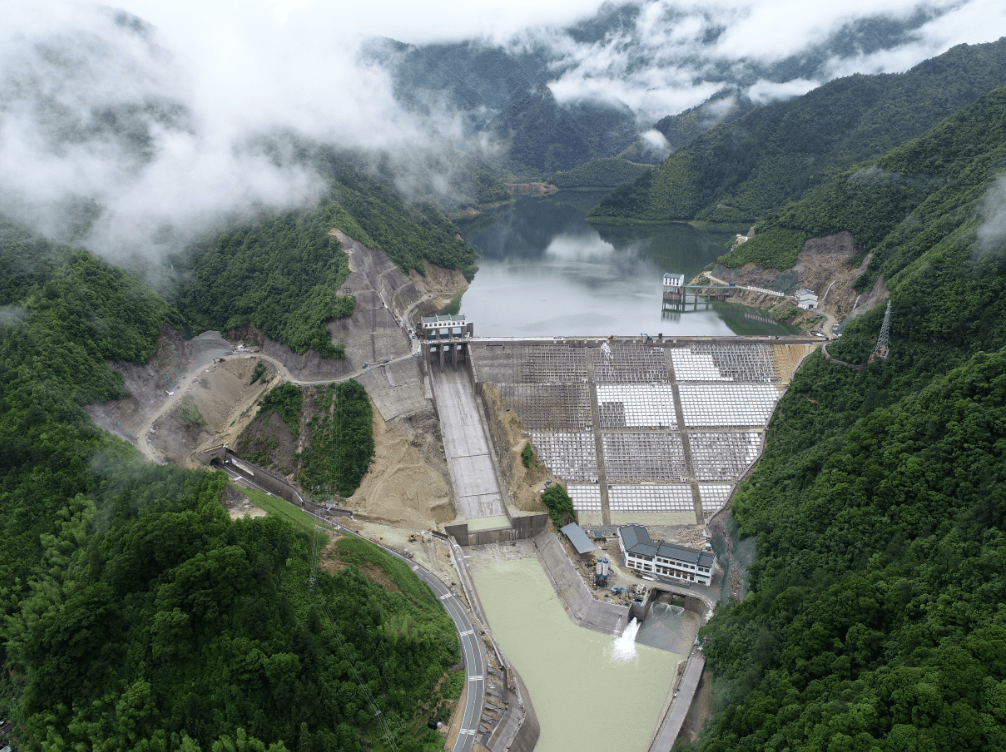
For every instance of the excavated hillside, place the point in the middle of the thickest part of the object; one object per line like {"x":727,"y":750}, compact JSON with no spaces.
{"x":823,"y":265}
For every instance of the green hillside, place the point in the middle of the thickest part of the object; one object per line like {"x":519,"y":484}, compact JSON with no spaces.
{"x":777,"y":153}
{"x":281,"y":273}
{"x":723,"y":107}
{"x":876,"y":618}
{"x":135,"y":614}
{"x":598,"y":173}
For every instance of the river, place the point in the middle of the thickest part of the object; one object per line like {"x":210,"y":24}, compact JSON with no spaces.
{"x":591,"y":692}
{"x":544,"y":270}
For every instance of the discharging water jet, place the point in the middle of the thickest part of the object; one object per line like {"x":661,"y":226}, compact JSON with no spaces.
{"x":624,"y":647}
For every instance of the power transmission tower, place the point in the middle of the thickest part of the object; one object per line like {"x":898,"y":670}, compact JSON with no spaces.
{"x":883,"y":342}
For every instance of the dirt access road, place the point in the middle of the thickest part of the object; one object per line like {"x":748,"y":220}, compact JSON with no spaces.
{"x":194,"y":370}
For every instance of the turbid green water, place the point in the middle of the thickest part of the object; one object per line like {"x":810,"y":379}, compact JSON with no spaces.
{"x":475,"y":524}
{"x":545,"y":271}
{"x":586,"y":697}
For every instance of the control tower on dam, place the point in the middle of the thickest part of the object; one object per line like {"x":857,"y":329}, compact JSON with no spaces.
{"x":643,"y":430}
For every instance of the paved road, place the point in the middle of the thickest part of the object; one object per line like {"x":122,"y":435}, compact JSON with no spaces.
{"x":471,"y":645}
{"x":475,"y":660}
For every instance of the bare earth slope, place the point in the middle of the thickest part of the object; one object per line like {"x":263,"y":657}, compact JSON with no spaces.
{"x":822,"y":266}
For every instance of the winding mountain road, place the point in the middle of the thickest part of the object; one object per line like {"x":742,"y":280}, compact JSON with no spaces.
{"x":471,"y":646}
{"x":175,"y":396}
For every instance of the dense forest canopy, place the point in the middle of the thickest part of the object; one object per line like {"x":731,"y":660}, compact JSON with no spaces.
{"x":282,"y":272}
{"x":876,"y":614}
{"x":741,"y":170}
{"x":135,"y":613}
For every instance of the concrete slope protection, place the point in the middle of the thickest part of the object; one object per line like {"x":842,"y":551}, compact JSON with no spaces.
{"x":670,"y":725}
{"x":583,"y":608}
{"x":477,"y":490}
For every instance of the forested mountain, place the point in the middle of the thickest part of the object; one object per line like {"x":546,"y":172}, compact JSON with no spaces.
{"x":877,"y":612}
{"x":501,"y":88}
{"x":598,"y":173}
{"x":774,"y":154}
{"x":720,"y":109}
{"x":135,"y":614}
{"x":281,"y":272}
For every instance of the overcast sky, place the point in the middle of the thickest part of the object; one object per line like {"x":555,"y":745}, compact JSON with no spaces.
{"x":243,"y":67}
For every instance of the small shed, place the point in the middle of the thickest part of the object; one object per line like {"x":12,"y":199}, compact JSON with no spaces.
{"x":806,"y":299}
{"x":583,"y":545}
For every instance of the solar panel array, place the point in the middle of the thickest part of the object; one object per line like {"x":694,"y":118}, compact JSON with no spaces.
{"x":748,"y":362}
{"x":693,"y":366}
{"x":641,"y":405}
{"x":721,"y":386}
{"x":569,"y":456}
{"x":529,"y":364}
{"x":707,"y":361}
{"x":722,"y":455}
{"x":647,"y":498}
{"x":549,"y":407}
{"x":727,"y":404}
{"x":628,"y":363}
{"x":653,"y":455}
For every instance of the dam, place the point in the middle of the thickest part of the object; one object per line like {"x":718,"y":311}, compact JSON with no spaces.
{"x":650,"y":431}
{"x":642,"y":430}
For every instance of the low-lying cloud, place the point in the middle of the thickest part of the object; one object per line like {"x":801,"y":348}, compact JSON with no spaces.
{"x":663,"y":56}
{"x":153,"y":119}
{"x":154,"y":136}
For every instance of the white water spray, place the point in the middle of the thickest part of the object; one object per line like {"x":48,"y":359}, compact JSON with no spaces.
{"x":624,"y":647}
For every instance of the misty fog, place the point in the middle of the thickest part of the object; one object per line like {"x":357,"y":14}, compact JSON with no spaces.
{"x":133,"y":131}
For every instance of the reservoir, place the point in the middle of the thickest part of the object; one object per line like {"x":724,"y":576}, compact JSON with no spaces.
{"x":544,"y":270}
{"x":591,"y":692}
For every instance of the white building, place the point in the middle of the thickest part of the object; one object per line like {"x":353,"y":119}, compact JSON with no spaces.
{"x":805,"y":298}
{"x":658,"y":559}
{"x":445,"y":327}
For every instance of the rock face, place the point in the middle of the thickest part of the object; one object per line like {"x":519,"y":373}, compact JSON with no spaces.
{"x":822,"y":266}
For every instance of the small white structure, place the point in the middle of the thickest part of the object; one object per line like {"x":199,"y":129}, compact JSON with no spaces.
{"x":446,"y":327}
{"x":664,"y":559}
{"x":805,"y":298}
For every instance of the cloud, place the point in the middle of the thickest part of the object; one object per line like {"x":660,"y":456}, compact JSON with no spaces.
{"x":656,"y":141}
{"x":763,"y":92}
{"x":10,"y":314}
{"x":160,"y":121}
{"x":664,"y":56}
{"x":162,"y":125}
{"x":992,"y":232}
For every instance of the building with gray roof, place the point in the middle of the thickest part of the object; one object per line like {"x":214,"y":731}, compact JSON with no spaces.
{"x":446,"y":327}
{"x":659,"y":559}
{"x":578,"y":538}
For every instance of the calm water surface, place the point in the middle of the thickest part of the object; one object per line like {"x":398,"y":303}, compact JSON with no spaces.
{"x":545,"y":271}
{"x":587,"y":697}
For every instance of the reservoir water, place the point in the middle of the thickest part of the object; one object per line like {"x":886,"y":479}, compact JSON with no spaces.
{"x":545,"y":271}
{"x":591,"y":692}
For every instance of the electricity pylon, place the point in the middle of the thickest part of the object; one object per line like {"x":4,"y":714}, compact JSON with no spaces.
{"x":883,"y":342}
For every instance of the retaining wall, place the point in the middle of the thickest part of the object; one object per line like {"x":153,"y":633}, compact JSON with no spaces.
{"x":528,"y":526}
{"x":584,"y":610}
{"x":529,"y":731}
